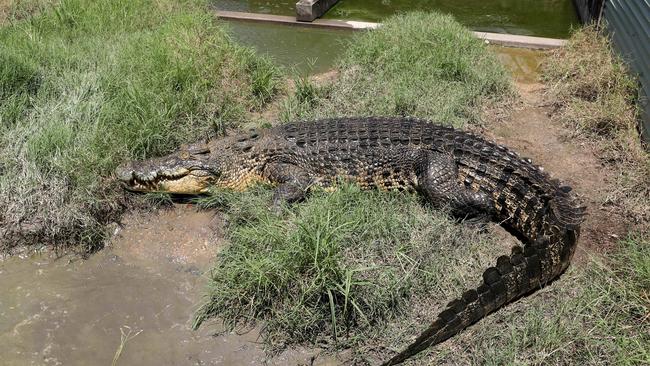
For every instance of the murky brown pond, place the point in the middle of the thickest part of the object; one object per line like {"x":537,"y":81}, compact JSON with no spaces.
{"x":149,"y":281}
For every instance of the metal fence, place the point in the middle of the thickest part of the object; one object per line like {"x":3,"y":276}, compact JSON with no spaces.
{"x":628,"y":23}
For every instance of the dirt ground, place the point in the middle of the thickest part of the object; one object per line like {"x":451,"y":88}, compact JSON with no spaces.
{"x":531,"y":131}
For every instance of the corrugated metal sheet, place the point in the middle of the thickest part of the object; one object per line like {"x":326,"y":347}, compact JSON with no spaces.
{"x":628,"y":22}
{"x":588,"y":10}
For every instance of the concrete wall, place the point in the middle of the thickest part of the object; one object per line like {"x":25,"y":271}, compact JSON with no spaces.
{"x":308,"y":10}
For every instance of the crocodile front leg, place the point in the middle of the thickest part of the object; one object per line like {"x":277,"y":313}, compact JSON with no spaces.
{"x":293,"y":183}
{"x":438,"y":182}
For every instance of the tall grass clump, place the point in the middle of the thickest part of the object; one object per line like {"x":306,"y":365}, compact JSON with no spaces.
{"x":334,"y":268}
{"x":591,"y":85}
{"x":417,"y":64}
{"x":595,"y":95}
{"x":85,"y":85}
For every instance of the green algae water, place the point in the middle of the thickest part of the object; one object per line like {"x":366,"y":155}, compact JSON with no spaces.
{"x":313,"y":51}
{"x":309,"y":51}
{"x":302,"y":50}
{"x":543,"y":18}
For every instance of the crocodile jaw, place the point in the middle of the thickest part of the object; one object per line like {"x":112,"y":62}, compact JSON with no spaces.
{"x":171,"y":176}
{"x":189,"y":170}
{"x":192,"y":182}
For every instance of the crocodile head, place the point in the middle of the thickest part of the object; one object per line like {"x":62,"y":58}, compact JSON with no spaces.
{"x":190,"y":170}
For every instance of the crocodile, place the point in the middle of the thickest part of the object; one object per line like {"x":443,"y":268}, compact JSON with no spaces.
{"x":472,"y":177}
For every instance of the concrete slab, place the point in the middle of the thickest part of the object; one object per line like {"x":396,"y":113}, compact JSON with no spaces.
{"x":508,"y":40}
{"x":288,"y":20}
{"x":513,"y":40}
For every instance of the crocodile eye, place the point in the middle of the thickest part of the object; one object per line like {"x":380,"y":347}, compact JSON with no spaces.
{"x":198,"y":149}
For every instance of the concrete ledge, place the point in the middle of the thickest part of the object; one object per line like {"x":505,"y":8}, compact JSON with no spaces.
{"x":512,"y":40}
{"x":509,"y":40}
{"x":308,"y":10}
{"x":288,"y":20}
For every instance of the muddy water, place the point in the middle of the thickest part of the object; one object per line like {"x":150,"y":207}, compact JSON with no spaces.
{"x":523,"y":64}
{"x":544,"y":18}
{"x":149,"y":281}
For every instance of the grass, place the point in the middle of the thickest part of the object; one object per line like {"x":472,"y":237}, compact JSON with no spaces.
{"x":333,"y":269}
{"x":595,"y":96}
{"x":125,"y":337}
{"x":417,"y":64}
{"x":13,"y":10}
{"x":85,"y":85}
{"x":367,"y":271}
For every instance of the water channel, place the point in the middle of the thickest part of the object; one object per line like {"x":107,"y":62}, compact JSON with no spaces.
{"x":304,"y":51}
{"x":543,"y":18}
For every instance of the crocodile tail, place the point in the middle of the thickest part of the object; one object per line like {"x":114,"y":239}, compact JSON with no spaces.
{"x":524,"y":271}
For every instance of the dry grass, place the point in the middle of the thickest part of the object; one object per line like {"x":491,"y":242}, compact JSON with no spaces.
{"x":590,"y":86}
{"x":595,"y":95}
{"x":16,"y":10}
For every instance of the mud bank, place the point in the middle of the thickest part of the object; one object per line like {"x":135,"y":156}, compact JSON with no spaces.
{"x":148,"y":281}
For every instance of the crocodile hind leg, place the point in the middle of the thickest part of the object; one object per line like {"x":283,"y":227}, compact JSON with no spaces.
{"x":293,"y":183}
{"x":438,"y":182}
